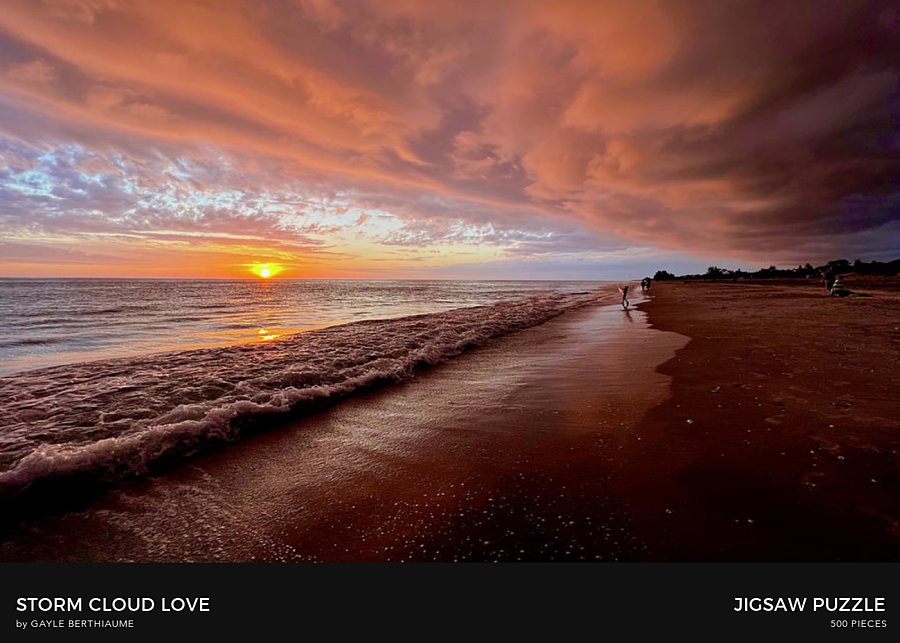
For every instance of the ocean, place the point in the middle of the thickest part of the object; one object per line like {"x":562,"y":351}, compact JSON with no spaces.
{"x":104,"y":377}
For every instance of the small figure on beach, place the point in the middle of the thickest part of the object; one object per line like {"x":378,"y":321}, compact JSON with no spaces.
{"x":624,"y":291}
{"x":645,"y":284}
{"x":827,"y":278}
{"x":838,"y":289}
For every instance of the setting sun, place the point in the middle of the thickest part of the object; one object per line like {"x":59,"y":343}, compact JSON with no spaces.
{"x":266,"y":270}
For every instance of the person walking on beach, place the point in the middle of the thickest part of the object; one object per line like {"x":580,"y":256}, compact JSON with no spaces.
{"x":828,"y":278}
{"x":624,"y":291}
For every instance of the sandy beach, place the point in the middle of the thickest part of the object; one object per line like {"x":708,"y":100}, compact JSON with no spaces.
{"x":713,"y":421}
{"x":780,"y":439}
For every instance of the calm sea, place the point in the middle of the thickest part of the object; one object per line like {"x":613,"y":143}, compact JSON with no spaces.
{"x":49,"y":322}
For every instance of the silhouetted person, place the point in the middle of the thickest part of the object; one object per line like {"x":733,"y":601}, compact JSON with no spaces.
{"x":828,"y":278}
{"x":624,"y":291}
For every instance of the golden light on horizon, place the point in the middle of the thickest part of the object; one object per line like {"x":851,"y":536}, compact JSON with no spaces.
{"x":266,"y":270}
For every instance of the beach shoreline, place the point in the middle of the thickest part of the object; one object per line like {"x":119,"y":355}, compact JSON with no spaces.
{"x":714,"y":421}
{"x":437,"y":468}
{"x":779,"y":440}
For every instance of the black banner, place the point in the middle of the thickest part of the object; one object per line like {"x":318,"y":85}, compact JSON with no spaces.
{"x":847,"y":602}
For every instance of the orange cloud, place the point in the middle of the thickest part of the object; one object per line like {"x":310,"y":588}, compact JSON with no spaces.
{"x":685,"y":125}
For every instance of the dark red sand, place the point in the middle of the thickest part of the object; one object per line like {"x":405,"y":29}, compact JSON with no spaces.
{"x":780,"y":438}
{"x":771,"y":435}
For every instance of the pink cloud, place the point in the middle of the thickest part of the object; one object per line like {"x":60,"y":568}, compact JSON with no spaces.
{"x":752,"y":129}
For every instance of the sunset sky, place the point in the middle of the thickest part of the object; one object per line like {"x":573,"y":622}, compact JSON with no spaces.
{"x":458,"y":139}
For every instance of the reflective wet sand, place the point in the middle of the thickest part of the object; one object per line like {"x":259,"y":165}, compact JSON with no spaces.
{"x":508,"y":452}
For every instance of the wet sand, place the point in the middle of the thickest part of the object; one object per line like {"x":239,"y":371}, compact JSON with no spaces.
{"x":504,"y":453}
{"x":781,"y":439}
{"x":740,"y":423}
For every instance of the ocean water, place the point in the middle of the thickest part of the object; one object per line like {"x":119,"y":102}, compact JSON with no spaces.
{"x":107,"y":377}
{"x":63,"y":321}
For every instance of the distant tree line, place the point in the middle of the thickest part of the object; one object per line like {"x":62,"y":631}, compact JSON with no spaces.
{"x":837,"y":267}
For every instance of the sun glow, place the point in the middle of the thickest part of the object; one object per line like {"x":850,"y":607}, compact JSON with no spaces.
{"x":265,"y":270}
{"x":266,"y":335}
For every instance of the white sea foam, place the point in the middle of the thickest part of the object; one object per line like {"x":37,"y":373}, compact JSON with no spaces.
{"x":117,"y":417}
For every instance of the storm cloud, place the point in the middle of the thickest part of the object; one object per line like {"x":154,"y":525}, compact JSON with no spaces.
{"x":765,"y":132}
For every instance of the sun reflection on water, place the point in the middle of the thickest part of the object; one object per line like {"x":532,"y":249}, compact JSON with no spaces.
{"x":266,"y":335}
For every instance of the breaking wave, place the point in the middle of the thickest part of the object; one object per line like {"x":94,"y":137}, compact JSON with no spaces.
{"x":114,"y":418}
